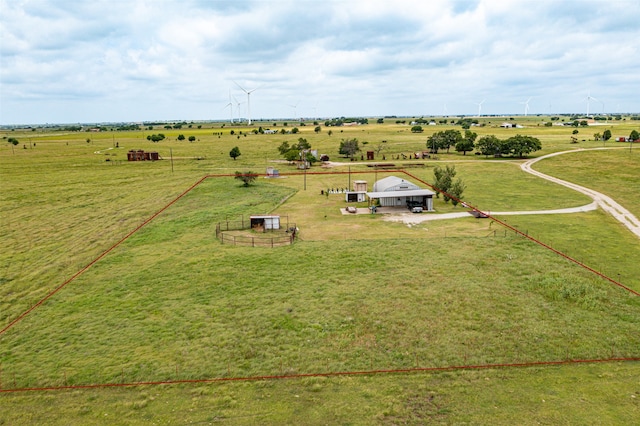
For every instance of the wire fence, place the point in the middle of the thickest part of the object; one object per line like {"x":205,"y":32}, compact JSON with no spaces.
{"x":10,"y":383}
{"x":283,"y":235}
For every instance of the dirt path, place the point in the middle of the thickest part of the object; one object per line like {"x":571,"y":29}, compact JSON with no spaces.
{"x":605,"y":202}
{"x":599,"y":200}
{"x":412,"y":219}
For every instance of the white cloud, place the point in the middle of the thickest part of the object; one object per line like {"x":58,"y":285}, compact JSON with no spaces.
{"x":167,"y":59}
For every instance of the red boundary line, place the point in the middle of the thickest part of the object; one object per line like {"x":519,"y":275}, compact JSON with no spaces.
{"x":558,"y":252}
{"x":81,"y":271}
{"x":90,"y":264}
{"x":328,"y":374}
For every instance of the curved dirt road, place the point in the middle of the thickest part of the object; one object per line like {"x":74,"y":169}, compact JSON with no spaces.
{"x":599,"y":200}
{"x":606,"y":203}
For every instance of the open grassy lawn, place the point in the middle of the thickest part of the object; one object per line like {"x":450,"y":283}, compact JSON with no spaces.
{"x":612,"y":172}
{"x":605,"y":394}
{"x":353,"y":293}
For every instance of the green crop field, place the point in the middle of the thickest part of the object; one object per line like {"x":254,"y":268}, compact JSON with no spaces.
{"x":354,"y":293}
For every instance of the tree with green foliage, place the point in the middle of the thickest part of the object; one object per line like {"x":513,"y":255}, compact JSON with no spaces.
{"x":293,"y":152}
{"x":467,"y":143}
{"x":465,"y":122}
{"x":520,"y":146}
{"x":303,"y":144}
{"x":456,"y":190}
{"x":13,"y":141}
{"x":417,"y":129}
{"x":192,"y":138}
{"x":247,"y":178}
{"x":380,"y":121}
{"x":489,"y":145}
{"x":443,"y":178}
{"x":156,"y":138}
{"x":291,"y":155}
{"x":451,"y":138}
{"x":180,"y":137}
{"x":309,"y":157}
{"x":284,"y":147}
{"x":317,"y":129}
{"x":435,"y":142}
{"x":234,"y":153}
{"x":349,"y":147}
{"x":444,"y":183}
{"x":464,"y":146}
{"x":444,"y":139}
{"x":634,"y":136}
{"x":606,"y":135}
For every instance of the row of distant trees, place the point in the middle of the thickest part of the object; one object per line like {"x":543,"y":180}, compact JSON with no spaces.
{"x":606,"y":135}
{"x":516,"y":146}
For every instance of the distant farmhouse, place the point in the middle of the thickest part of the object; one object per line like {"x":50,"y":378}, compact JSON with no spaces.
{"x":393,"y":191}
{"x":508,"y":125}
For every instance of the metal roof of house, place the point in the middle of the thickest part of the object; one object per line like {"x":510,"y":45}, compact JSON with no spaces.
{"x":407,"y":193}
{"x":391,"y":181}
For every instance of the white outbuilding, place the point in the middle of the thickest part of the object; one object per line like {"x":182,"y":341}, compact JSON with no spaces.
{"x":393,"y":191}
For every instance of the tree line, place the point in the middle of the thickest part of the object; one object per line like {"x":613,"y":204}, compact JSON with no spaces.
{"x":516,"y":146}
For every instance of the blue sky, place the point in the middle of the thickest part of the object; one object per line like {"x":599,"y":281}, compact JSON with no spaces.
{"x":68,"y":61}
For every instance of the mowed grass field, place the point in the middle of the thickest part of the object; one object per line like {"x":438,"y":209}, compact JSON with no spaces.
{"x":354,"y":293}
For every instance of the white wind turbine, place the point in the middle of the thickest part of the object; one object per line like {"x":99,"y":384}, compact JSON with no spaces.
{"x":295,"y":110}
{"x":248,"y":92}
{"x":480,"y":107}
{"x":589,"y":99}
{"x":526,"y":106}
{"x":230,"y":106}
{"x":237,"y":107}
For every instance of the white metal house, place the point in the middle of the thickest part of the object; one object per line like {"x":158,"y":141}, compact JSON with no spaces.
{"x":393,"y":191}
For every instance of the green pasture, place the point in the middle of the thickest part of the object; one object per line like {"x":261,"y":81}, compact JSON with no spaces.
{"x":354,"y":292}
{"x":615,"y":172}
{"x":569,"y":394}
